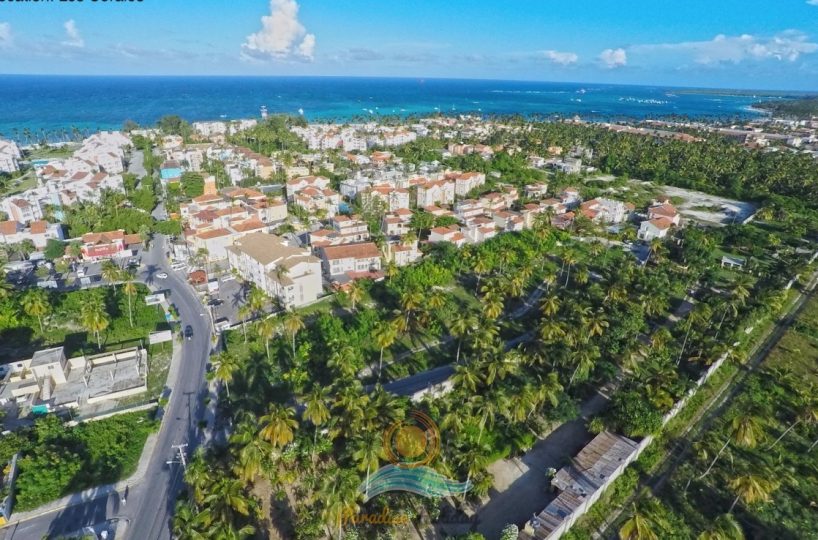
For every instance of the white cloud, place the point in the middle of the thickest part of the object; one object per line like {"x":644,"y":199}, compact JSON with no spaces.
{"x":282,"y":36}
{"x":787,"y":46}
{"x":307,"y":46}
{"x":561,"y":58}
{"x":5,"y":35}
{"x":812,"y":2}
{"x":613,"y":58}
{"x":73,"y":34}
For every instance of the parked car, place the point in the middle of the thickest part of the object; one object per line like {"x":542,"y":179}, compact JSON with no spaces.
{"x":188,"y":332}
{"x":162,"y":275}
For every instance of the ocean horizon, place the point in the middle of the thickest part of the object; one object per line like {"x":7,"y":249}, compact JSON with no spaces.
{"x":58,"y":103}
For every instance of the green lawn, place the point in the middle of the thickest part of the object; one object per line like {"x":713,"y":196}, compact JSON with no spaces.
{"x":18,"y":185}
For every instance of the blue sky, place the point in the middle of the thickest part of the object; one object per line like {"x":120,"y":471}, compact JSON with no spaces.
{"x":738,"y":44}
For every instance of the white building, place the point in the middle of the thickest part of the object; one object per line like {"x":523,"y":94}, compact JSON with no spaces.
{"x":341,"y":260}
{"x":288,"y":273}
{"x":435,"y":192}
{"x":39,"y":232}
{"x":651,"y":229}
{"x":10,"y":155}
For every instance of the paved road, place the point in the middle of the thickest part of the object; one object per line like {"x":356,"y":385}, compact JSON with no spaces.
{"x":150,"y":503}
{"x":137,"y":164}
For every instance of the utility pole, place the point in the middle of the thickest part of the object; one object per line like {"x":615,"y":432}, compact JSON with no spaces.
{"x":181,"y":449}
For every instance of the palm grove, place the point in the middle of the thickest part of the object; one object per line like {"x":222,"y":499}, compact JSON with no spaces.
{"x":303,"y":391}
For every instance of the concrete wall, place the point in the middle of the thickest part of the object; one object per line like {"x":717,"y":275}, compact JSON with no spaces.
{"x":569,"y":520}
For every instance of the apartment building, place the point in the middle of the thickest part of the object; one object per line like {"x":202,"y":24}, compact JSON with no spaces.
{"x":39,"y":232}
{"x":10,"y":156}
{"x":435,"y":192}
{"x":339,"y":261}
{"x":288,"y":273}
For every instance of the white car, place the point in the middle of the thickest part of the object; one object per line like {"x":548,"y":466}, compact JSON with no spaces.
{"x":162,"y":275}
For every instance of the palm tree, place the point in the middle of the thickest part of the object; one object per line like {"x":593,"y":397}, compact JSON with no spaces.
{"x":640,"y":526}
{"x":226,"y":365}
{"x":340,"y":495}
{"x":227,"y":531}
{"x":751,"y":489}
{"x":596,"y":324}
{"x":368,"y":451}
{"x":35,"y":304}
{"x":569,"y":259}
{"x":278,"y":425}
{"x":190,"y":524}
{"x":437,"y":298}
{"x":129,"y":288}
{"x":198,"y":477}
{"x":411,"y":301}
{"x":466,"y":378}
{"x":459,"y":328}
{"x":226,"y":498}
{"x":725,"y":527}
{"x":251,"y":459}
{"x":355,"y":293}
{"x":111,"y":272}
{"x":292,"y":323}
{"x":316,"y":411}
{"x":385,"y":335}
{"x":94,"y":317}
{"x":585,"y":360}
{"x":550,"y":305}
{"x":807,"y":414}
{"x":5,"y":289}
{"x":267,"y":330}
{"x":481,"y":266}
{"x":244,"y":313}
{"x":492,"y":306}
{"x":746,"y":431}
{"x":256,"y":300}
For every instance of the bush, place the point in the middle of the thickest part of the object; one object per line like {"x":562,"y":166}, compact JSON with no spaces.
{"x":58,"y":460}
{"x":633,"y":415}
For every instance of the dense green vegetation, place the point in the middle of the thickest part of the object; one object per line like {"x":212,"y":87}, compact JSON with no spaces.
{"x":56,"y":460}
{"x":806,"y":107}
{"x":755,"y":465}
{"x":602,"y":314}
{"x":272,"y":135}
{"x":715,"y":165}
{"x":601,"y":318}
{"x":84,"y":320}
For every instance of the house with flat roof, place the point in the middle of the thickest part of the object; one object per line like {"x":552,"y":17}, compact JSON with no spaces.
{"x":285,"y":272}
{"x":581,"y":482}
{"x":49,"y":381}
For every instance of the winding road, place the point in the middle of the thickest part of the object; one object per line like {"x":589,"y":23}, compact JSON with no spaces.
{"x":150,"y":500}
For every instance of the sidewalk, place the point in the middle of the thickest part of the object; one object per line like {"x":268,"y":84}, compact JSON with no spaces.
{"x":94,"y":493}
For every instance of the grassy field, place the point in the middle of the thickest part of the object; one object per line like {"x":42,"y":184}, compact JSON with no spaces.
{"x":18,"y":185}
